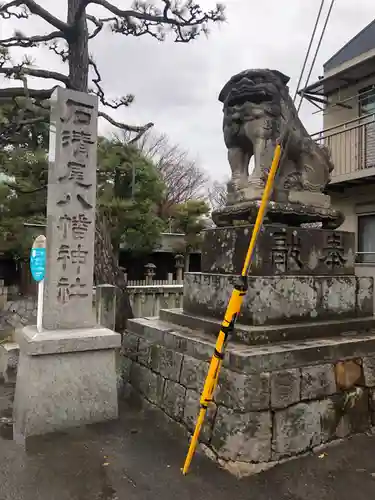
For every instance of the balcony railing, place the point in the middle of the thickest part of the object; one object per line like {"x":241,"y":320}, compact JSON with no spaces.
{"x":352,"y":147}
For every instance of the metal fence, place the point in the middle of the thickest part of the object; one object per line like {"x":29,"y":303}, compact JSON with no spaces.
{"x":352,"y":145}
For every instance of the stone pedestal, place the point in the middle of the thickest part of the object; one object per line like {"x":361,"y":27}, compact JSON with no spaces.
{"x":66,"y":378}
{"x":280,"y":250}
{"x":299,"y":370}
{"x":272,"y":403}
{"x":297,"y":275}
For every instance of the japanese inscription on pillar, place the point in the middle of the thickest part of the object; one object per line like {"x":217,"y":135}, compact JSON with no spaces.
{"x":333,"y":252}
{"x":286,"y":252}
{"x":71,"y":210}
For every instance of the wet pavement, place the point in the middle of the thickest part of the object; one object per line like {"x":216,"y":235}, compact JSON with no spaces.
{"x":139,"y":457}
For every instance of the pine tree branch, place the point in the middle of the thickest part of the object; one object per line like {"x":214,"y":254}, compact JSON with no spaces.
{"x":16,"y":71}
{"x":98,"y":23}
{"x":63,"y":53}
{"x":5,"y":13}
{"x":46,"y":15}
{"x":139,"y":130}
{"x":196,"y":16}
{"x":11,"y":93}
{"x":22,"y":191}
{"x":19,"y":40}
{"x":187,"y":20}
{"x":37,"y":101}
{"x":28,"y":108}
{"x":114,"y":104}
{"x":34,"y":8}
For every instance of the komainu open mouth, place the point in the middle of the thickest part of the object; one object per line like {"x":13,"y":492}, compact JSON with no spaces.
{"x":247,"y":91}
{"x":244,"y":94}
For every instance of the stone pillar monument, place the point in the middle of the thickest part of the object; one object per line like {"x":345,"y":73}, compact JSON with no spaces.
{"x":304,"y":343}
{"x":66,"y":374}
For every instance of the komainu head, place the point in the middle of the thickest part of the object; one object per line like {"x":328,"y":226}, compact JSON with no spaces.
{"x":259,"y":86}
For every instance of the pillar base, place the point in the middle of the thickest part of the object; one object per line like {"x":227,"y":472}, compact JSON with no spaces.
{"x":66,"y":378}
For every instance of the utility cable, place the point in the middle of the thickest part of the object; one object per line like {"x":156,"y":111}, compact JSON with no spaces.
{"x":316,"y":54}
{"x":308,"y":49}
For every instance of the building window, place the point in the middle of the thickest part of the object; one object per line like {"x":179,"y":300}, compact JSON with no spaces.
{"x":366,"y":239}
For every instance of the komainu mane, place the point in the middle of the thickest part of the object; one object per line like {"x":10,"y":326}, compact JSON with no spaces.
{"x":258,"y":110}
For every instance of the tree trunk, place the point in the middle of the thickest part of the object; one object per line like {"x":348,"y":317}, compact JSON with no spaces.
{"x":78,"y":50}
{"x":106,"y":268}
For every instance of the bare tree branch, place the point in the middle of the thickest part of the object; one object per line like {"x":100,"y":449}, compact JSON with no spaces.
{"x":19,"y":40}
{"x":183,"y":178}
{"x":217,"y":195}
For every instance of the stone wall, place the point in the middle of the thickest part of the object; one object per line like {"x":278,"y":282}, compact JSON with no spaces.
{"x":148,"y":300}
{"x":145,"y":301}
{"x":15,"y":314}
{"x":272,"y":402}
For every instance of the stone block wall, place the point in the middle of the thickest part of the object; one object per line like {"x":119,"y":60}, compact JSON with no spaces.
{"x":145,"y":301}
{"x":16,"y":314}
{"x":259,"y":416}
{"x":148,"y":300}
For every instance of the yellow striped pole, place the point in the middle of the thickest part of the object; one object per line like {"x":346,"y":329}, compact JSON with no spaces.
{"x":231,"y":314}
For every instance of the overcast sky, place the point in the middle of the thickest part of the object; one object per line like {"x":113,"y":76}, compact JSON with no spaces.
{"x":176,"y":86}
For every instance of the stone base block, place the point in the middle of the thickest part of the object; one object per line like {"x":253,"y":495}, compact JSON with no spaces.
{"x":273,"y":300}
{"x":263,"y":335}
{"x":272,"y":402}
{"x":280,"y":250}
{"x":65,"y":378}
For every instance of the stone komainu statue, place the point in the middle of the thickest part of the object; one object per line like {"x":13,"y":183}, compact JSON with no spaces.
{"x":258,"y":110}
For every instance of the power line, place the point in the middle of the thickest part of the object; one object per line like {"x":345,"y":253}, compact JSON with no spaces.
{"x":316,"y":53}
{"x":309,"y":48}
{"x":286,"y":131}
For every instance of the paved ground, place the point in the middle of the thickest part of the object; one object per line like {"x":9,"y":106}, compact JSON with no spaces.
{"x":138,"y":458}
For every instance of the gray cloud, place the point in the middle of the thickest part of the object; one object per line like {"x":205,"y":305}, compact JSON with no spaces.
{"x":176,"y":86}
